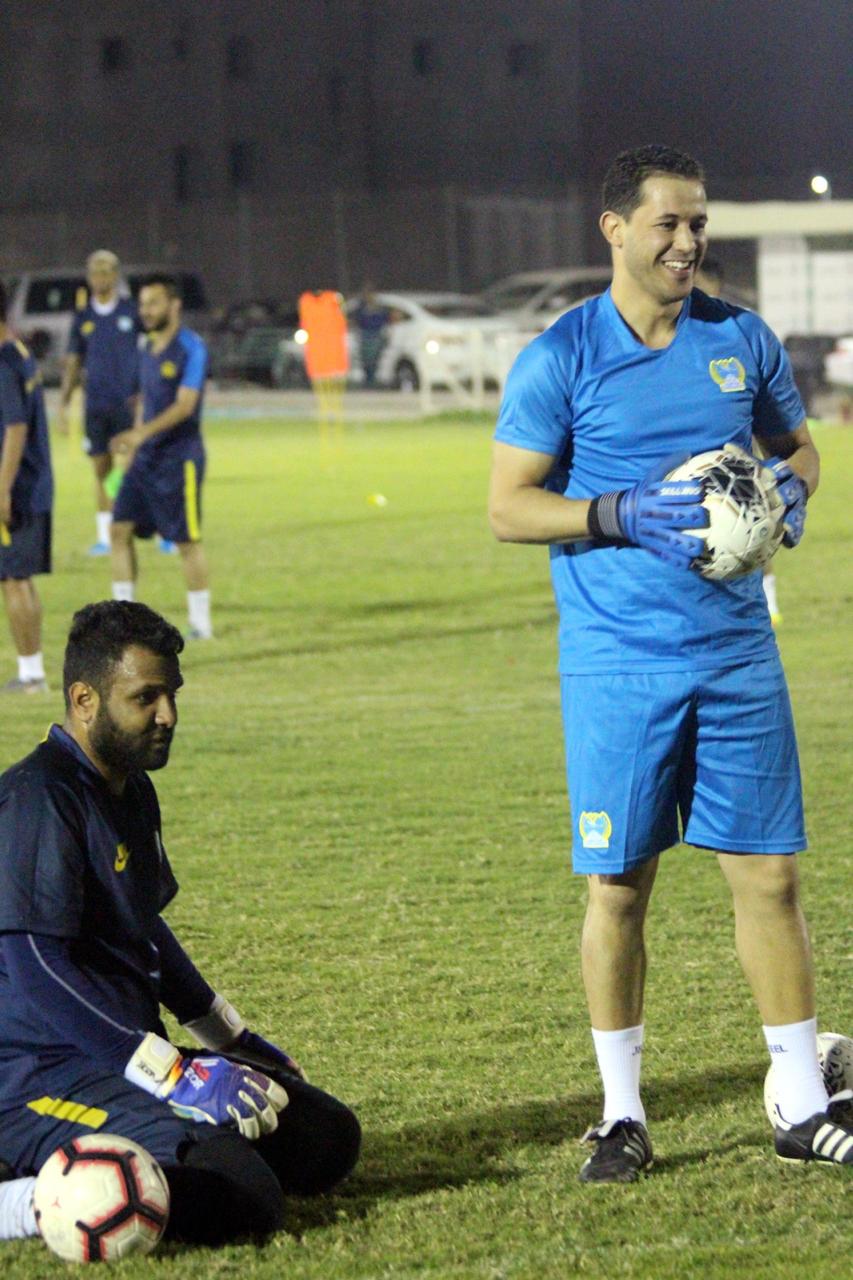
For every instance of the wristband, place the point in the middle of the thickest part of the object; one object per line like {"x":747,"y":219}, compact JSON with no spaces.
{"x":156,"y":1066}
{"x":603,"y":519}
{"x":219,"y":1027}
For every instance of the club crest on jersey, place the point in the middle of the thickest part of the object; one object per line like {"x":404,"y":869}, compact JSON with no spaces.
{"x":124,"y":323}
{"x":87,"y":327}
{"x":595,"y":829}
{"x":729,"y":374}
{"x":168,"y":369}
{"x":122,"y":856}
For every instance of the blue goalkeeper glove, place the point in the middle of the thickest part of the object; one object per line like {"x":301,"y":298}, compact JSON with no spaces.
{"x":653,"y":514}
{"x":223,"y":1030}
{"x":794,"y":492}
{"x":209,"y":1090}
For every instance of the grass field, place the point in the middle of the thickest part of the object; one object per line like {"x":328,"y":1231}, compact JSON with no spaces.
{"x":365,"y":809}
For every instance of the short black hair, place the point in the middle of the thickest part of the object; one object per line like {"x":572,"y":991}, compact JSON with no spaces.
{"x":99,"y":635}
{"x":622,"y":189}
{"x":162,"y":278}
{"x":4,"y":301}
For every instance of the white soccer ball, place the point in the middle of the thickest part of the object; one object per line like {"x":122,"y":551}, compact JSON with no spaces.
{"x":745,"y":511}
{"x":836,"y":1062}
{"x":101,"y":1197}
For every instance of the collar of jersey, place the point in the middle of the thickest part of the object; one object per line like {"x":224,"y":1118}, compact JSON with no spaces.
{"x":60,"y":738}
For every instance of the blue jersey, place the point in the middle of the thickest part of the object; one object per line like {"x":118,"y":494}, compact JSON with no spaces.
{"x":608,"y":409}
{"x":182,"y":363}
{"x":22,"y":400}
{"x":80,"y":863}
{"x":107,"y":346}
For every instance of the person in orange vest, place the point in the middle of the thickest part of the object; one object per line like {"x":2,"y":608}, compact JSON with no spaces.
{"x":322,"y":318}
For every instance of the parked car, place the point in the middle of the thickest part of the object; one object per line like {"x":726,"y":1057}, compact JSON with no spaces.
{"x":808,"y":353}
{"x":838,"y":364}
{"x":535,"y":299}
{"x":255,"y":341}
{"x":438,"y":333}
{"x":42,"y":305}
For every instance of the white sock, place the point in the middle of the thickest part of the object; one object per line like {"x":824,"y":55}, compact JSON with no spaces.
{"x":620,"y":1054}
{"x":799,"y":1087}
{"x":769,"y":583}
{"x":123,"y":591}
{"x":198,"y":607}
{"x":30,"y":666}
{"x":17,"y":1217}
{"x":103,"y":520}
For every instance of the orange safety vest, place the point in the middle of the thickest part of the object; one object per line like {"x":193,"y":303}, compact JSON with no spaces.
{"x":322,"y":318}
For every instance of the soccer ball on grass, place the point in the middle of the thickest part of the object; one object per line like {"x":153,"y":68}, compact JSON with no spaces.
{"x":101,"y":1197}
{"x":745,"y":511}
{"x":835,"y":1053}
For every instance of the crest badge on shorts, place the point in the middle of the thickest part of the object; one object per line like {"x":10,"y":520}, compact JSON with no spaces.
{"x":595,"y":829}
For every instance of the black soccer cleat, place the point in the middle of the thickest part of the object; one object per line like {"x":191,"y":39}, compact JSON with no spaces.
{"x":826,"y":1137}
{"x":622,"y":1152}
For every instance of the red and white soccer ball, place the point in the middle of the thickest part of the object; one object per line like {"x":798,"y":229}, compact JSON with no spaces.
{"x":836,"y":1061}
{"x":101,"y":1197}
{"x":745,"y":511}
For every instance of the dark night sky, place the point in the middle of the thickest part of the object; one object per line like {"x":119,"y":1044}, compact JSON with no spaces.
{"x":755,"y":88}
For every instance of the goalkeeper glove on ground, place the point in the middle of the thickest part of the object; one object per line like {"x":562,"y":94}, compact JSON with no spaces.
{"x":223,"y":1030}
{"x":652,"y":515}
{"x":795,"y":494}
{"x":209,"y":1090}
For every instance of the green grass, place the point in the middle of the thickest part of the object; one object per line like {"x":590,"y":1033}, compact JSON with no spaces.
{"x":366,"y":811}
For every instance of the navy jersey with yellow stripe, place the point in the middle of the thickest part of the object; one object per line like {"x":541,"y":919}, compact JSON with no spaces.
{"x":22,"y":401}
{"x":182,"y":363}
{"x":82,"y":864}
{"x":107,"y":344}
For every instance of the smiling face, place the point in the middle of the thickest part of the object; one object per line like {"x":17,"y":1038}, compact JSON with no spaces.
{"x":658,"y":248}
{"x":134,"y":721}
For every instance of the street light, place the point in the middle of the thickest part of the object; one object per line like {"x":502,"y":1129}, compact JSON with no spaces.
{"x":820,"y":186}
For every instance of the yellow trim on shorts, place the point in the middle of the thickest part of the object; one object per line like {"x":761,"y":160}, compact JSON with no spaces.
{"x":5,"y":535}
{"x":191,"y":502}
{"x":75,"y":1112}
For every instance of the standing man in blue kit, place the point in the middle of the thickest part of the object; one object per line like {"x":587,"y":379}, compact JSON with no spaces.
{"x":676,"y":712}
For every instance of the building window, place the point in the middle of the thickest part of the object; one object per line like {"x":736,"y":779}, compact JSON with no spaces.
{"x":239,"y":59}
{"x":423,"y":58}
{"x":524,"y":60}
{"x":181,"y":178}
{"x":242,"y":164}
{"x":115,"y":55}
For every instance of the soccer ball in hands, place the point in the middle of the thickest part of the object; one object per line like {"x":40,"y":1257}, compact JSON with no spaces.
{"x":835,"y":1053}
{"x":101,"y":1197}
{"x":745,"y":511}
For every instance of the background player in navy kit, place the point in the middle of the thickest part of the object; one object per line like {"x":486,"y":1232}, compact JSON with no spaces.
{"x":103,"y":342}
{"x":86,"y":960}
{"x":26,"y":498}
{"x":674,"y":700}
{"x":164,"y":453}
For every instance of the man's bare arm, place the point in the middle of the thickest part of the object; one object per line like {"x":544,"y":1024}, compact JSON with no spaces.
{"x":521,"y":510}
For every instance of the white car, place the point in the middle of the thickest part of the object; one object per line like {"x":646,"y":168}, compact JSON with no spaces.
{"x":442,"y":337}
{"x":533,"y":300}
{"x":42,"y":305}
{"x":838,"y":364}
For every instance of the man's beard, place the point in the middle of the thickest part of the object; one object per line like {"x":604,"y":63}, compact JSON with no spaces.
{"x":125,"y":752}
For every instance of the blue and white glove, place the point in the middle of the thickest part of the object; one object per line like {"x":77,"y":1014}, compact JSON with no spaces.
{"x":209,"y":1090}
{"x":794,"y":492}
{"x":653,"y":514}
{"x":223,"y":1030}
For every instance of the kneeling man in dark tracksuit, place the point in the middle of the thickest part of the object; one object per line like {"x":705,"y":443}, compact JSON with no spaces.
{"x":86,"y":961}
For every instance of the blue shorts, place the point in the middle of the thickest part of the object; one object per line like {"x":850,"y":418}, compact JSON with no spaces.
{"x":162,"y":497}
{"x":102,"y":425}
{"x":74,"y":1097}
{"x":25,"y":548}
{"x":713,"y":751}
